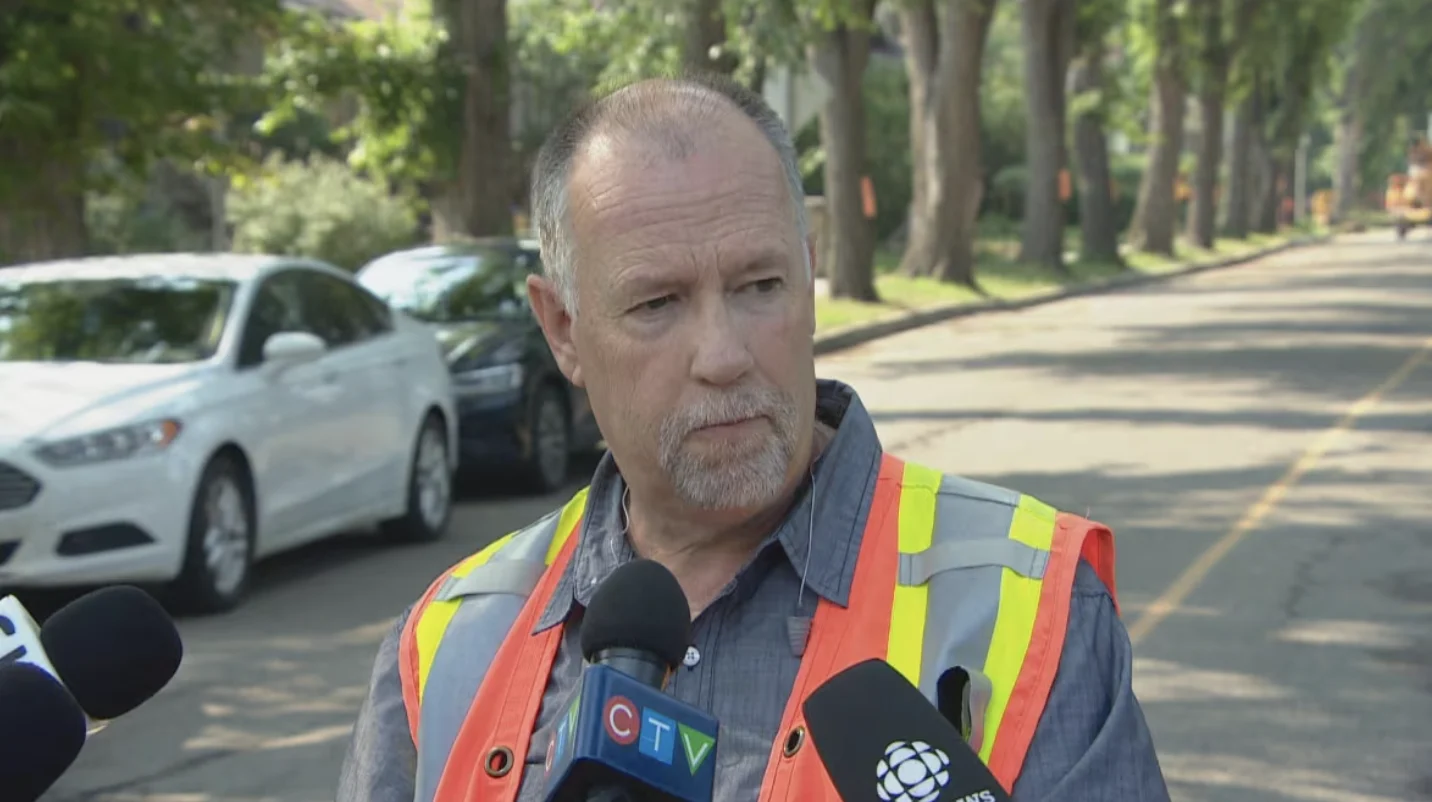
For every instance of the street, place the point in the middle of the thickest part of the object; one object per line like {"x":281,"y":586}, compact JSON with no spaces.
{"x":1259,"y":438}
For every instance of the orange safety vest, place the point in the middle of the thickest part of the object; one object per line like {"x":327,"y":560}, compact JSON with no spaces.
{"x":920,"y":525}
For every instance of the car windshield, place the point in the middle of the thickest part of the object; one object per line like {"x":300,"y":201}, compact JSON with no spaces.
{"x":150,"y":319}
{"x":449,"y":287}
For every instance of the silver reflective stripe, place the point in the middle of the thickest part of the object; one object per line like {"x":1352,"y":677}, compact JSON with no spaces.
{"x":970,"y":518}
{"x":510,"y":577}
{"x":468,"y":647}
{"x":953,"y":555}
{"x":457,"y":672}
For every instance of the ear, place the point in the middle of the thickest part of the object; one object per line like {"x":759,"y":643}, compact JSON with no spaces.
{"x":556,"y":326}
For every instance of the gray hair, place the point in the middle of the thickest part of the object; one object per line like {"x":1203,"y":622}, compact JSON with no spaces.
{"x":669,"y":111}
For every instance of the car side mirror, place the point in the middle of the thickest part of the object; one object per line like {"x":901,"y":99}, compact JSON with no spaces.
{"x":289,"y":348}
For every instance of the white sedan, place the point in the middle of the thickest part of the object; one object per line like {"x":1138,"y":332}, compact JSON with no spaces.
{"x":169,"y":419}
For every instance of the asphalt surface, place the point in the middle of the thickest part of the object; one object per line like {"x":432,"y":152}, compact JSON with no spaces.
{"x":1256,"y":436}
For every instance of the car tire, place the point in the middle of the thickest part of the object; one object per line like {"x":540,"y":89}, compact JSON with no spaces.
{"x":430,"y":485}
{"x":219,"y":550}
{"x":550,"y":430}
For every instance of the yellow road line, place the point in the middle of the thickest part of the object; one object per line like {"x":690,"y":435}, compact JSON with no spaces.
{"x":1192,"y":576}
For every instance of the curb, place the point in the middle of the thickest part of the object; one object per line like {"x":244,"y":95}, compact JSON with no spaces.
{"x":850,"y":336}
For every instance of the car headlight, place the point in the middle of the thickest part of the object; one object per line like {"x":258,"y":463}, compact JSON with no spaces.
{"x":120,"y":442}
{"x":490,"y":380}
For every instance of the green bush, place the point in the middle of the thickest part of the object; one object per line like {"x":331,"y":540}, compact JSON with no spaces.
{"x":321,"y":209}
{"x":125,"y":221}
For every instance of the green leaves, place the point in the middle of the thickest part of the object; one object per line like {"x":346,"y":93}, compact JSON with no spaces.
{"x":123,"y":76}
{"x":404,"y":87}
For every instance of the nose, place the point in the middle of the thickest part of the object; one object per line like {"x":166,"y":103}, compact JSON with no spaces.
{"x":722,"y":358}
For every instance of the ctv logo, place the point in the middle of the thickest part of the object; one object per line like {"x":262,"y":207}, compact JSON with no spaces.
{"x":657,"y":734}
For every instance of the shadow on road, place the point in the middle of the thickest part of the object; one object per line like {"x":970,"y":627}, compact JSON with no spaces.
{"x":1309,"y":649}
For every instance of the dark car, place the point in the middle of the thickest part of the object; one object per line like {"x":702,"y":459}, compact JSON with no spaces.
{"x":514,"y":406}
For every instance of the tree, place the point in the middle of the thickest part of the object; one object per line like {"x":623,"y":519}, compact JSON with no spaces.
{"x":131,"y":80}
{"x":478,"y":200}
{"x":839,"y":55}
{"x":433,"y":112}
{"x":1090,"y":106}
{"x":1152,"y":229}
{"x":1210,"y":77}
{"x":944,"y":51}
{"x":1049,"y":28}
{"x":1380,"y":66}
{"x":1286,"y":57}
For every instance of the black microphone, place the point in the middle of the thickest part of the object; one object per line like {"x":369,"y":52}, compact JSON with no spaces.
{"x":880,"y":739}
{"x":622,"y":739}
{"x":639,"y":623}
{"x":113,"y":649}
{"x":42,"y":730}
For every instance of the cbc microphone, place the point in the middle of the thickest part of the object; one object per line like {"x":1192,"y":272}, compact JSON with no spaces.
{"x":112,"y":649}
{"x":622,"y":739}
{"x":42,"y":730}
{"x":879,"y":739}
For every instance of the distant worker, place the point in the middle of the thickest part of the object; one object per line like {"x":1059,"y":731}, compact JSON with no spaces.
{"x":678,"y":291}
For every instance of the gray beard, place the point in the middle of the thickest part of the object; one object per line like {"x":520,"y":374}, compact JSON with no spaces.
{"x":741,"y":475}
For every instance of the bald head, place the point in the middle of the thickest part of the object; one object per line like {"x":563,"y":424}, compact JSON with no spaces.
{"x":658,"y":119}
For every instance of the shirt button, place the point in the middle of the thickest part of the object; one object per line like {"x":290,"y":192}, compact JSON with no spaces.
{"x":692,"y":657}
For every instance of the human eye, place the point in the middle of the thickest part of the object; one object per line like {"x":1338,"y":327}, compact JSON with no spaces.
{"x":765,"y":286}
{"x":651,"y":305}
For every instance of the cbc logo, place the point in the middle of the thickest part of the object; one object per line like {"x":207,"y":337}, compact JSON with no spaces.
{"x":656,"y":735}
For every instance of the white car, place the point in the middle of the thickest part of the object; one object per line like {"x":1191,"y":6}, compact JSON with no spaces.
{"x":169,"y":419}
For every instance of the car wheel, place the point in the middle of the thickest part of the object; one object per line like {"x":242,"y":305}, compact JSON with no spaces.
{"x":429,"y":488}
{"x":551,"y":441}
{"x":219,"y":552}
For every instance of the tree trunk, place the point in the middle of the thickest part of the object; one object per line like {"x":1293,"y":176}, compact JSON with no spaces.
{"x":919,"y":35}
{"x":1153,"y":225}
{"x":705,"y":32}
{"x":840,"y":59}
{"x":1099,"y":240}
{"x":947,"y":129}
{"x":1349,"y":145}
{"x":1237,"y":208}
{"x":45,"y":220}
{"x":1048,"y":36}
{"x":1210,"y":113}
{"x":1265,"y":206}
{"x":469,"y":206}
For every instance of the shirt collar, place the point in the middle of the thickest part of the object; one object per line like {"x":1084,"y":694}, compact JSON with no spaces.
{"x":824,"y":527}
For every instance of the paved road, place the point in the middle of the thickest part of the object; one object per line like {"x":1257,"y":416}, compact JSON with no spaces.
{"x":1277,"y":578}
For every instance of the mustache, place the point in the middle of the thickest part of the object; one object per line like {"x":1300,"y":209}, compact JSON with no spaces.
{"x":731,"y":407}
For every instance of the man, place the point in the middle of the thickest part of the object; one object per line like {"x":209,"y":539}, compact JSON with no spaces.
{"x":678,"y":291}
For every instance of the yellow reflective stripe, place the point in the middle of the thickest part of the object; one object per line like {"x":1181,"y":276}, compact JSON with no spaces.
{"x":437,"y":615}
{"x":919,"y":489}
{"x":435,"y":618}
{"x":1033,"y":525}
{"x":571,"y":514}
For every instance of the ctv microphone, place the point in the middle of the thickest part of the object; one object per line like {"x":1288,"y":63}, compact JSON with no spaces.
{"x":621,"y":738}
{"x":112,"y":649}
{"x":880,"y":739}
{"x":42,"y":730}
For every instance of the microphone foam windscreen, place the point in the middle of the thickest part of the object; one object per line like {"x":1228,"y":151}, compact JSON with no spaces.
{"x":42,"y":730}
{"x":640,"y":606}
{"x":880,"y":739}
{"x":113,"y":648}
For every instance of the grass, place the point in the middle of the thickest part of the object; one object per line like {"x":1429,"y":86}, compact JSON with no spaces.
{"x":1001,"y":276}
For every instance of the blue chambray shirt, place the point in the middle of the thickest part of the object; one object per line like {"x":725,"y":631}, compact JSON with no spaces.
{"x":1092,"y":742}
